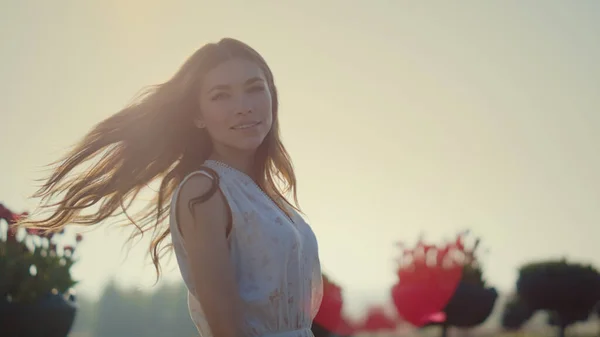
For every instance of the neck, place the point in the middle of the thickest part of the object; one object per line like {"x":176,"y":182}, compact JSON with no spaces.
{"x":242,"y":162}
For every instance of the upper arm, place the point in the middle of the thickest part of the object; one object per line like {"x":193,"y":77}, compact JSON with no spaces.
{"x":201,"y":210}
{"x":203,"y":218}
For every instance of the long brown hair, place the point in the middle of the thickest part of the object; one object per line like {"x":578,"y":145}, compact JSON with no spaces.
{"x":153,"y":139}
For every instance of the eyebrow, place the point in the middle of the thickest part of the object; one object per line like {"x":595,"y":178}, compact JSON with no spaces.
{"x":248,"y":82}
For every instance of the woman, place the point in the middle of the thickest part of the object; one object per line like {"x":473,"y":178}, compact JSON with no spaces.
{"x":211,"y":134}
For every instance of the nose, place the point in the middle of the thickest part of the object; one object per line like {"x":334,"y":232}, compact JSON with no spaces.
{"x":243,"y":106}
{"x":244,"y":111}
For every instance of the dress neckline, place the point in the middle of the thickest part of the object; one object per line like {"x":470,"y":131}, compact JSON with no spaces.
{"x":213,"y":162}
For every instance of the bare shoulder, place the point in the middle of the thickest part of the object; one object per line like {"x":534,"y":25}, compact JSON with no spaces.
{"x":199,"y":187}
{"x":200,"y":204}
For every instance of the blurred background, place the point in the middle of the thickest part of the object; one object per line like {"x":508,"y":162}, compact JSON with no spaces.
{"x":404,"y":119}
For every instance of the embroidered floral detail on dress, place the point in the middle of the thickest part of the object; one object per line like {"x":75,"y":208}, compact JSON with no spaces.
{"x":275,"y":261}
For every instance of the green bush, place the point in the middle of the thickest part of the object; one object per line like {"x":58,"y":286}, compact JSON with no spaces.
{"x":33,"y":264}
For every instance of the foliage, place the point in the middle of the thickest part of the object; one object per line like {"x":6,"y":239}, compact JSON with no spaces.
{"x":516,"y":312}
{"x":472,"y":302}
{"x":470,"y":305}
{"x":567,"y":291}
{"x":33,"y":264}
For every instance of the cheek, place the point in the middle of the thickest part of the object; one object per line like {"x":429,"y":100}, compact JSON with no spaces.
{"x":269,"y":120}
{"x":265,"y":108}
{"x":216,"y":117}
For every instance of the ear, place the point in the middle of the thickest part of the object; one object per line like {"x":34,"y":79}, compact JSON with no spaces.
{"x":199,"y":123}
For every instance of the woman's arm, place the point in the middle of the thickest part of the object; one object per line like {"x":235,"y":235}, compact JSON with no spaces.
{"x":204,"y":227}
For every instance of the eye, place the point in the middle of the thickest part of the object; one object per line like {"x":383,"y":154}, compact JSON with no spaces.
{"x":219,"y":96}
{"x":257,"y":88}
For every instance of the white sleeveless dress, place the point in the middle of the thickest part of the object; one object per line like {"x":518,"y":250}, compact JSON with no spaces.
{"x":276,"y":261}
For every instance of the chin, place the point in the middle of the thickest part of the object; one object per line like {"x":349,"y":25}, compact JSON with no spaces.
{"x":250,"y":144}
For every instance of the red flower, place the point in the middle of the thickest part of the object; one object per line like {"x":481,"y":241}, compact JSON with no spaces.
{"x":346,"y":327}
{"x":9,"y":216}
{"x":12,"y":232}
{"x":5,"y":213}
{"x":33,"y":231}
{"x":68,"y":250}
{"x":377,"y":320}
{"x":427,"y":282}
{"x":439,"y":317}
{"x":16,"y":217}
{"x":329,"y":315}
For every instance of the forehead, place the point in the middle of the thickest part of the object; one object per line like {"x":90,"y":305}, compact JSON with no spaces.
{"x":232,"y":72}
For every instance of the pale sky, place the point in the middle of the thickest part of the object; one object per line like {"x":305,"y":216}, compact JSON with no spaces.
{"x":401,"y":117}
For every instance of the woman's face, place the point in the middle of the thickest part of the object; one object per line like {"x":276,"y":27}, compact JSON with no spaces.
{"x":235,"y":106}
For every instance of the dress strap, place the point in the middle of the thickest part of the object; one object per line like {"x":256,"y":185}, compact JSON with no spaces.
{"x":205,"y":171}
{"x":214,"y":176}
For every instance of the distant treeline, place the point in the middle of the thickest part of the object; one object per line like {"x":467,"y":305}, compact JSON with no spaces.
{"x":127,"y":312}
{"x":163,"y":311}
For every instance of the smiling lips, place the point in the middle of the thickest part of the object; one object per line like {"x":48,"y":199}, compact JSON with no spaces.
{"x":245,"y":125}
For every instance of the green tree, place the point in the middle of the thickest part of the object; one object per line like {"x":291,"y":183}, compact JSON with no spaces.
{"x":516,"y":312}
{"x":567,"y":291}
{"x":472,"y":301}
